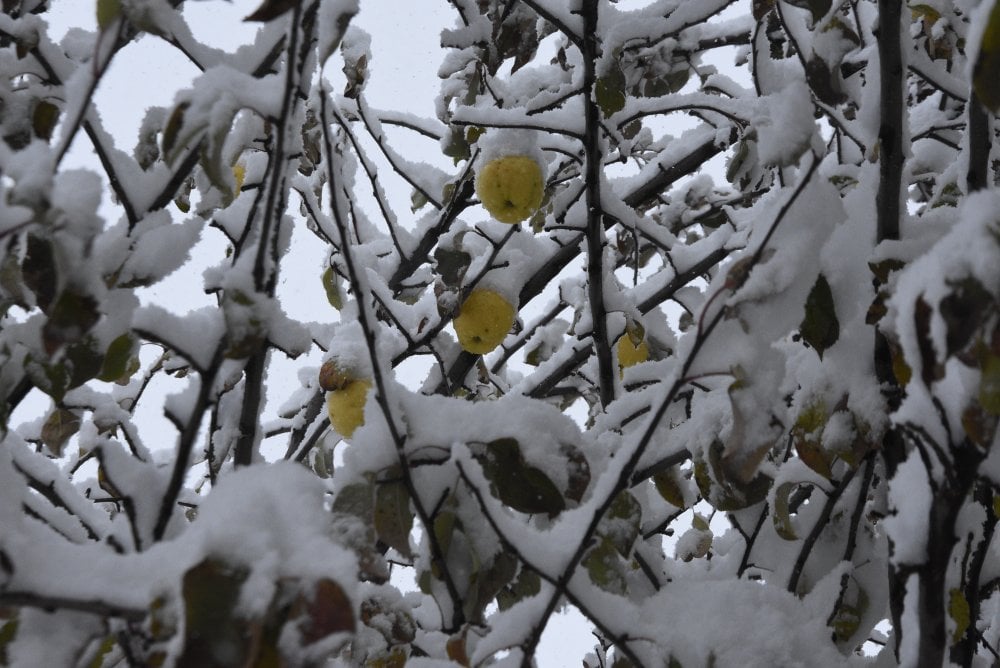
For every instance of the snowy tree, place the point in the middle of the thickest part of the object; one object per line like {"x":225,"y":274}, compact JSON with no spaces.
{"x":694,"y":329}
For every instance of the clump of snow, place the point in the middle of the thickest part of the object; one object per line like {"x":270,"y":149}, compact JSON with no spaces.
{"x":728,"y":623}
{"x":497,"y":143}
{"x":785,"y":124}
{"x":910,"y":498}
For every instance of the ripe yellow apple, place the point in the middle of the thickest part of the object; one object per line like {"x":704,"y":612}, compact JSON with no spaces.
{"x":511,"y":187}
{"x":630,"y":354}
{"x":346,"y":406}
{"x":483,"y":321}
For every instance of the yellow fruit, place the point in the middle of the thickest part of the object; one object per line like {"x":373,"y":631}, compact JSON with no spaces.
{"x":630,"y":354}
{"x":511,"y":188}
{"x":333,"y":376}
{"x":483,"y":321}
{"x":347,"y":406}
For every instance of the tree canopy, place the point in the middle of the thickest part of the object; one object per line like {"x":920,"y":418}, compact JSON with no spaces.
{"x":694,"y":329}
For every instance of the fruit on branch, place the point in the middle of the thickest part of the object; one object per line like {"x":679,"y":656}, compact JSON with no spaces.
{"x":483,"y":321}
{"x":632,"y":349}
{"x":511,"y":187}
{"x":346,"y":397}
{"x":346,"y":406}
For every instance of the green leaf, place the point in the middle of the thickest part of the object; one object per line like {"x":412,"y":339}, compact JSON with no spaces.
{"x":213,"y":636}
{"x":964,"y":311}
{"x":393,"y":516}
{"x":418,"y":200}
{"x":621,"y":525}
{"x":986,"y":72}
{"x":354,"y":518}
{"x":930,"y":368}
{"x":725,"y":492}
{"x":356,"y":72}
{"x":847,"y":618}
{"x":70,"y":318}
{"x":979,"y":425}
{"x":609,"y":91}
{"x":820,"y":327}
{"x":488,"y":583}
{"x":604,"y":565}
{"x":218,"y":170}
{"x":355,"y":500}
{"x":989,"y":384}
{"x":452,"y":265}
{"x":119,"y":361}
{"x":456,"y":147}
{"x":59,"y":427}
{"x":44,"y":119}
{"x":516,"y":483}
{"x":84,"y":361}
{"x":577,"y":470}
{"x":807,"y":436}
{"x":445,"y":526}
{"x":845,"y":622}
{"x":668,"y":83}
{"x":107,"y":12}
{"x":737,"y":164}
{"x":172,"y":131}
{"x":669,"y":487}
{"x":958,"y":610}
{"x":781,"y":514}
{"x":39,"y":270}
{"x":52,"y":379}
{"x":331,"y":285}
{"x":527,"y":584}
{"x":102,"y":651}
{"x":7,"y":634}
{"x":11,"y":284}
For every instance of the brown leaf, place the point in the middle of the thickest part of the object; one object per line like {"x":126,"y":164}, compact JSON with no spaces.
{"x":59,"y":428}
{"x":329,"y":611}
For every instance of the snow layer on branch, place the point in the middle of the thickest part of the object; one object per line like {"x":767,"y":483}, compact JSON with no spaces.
{"x":910,"y":497}
{"x":735,"y":621}
{"x":159,"y":248}
{"x":194,"y":335}
{"x":968,"y":250}
{"x":269,"y":518}
{"x":785,"y":124}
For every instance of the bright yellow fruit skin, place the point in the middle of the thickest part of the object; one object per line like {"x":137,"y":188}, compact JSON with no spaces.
{"x":629,"y":354}
{"x":347,"y":407}
{"x":483,"y":321}
{"x":511,"y":188}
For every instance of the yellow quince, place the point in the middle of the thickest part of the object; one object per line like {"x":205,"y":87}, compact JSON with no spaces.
{"x":483,"y":321}
{"x":630,"y":353}
{"x":346,"y":406}
{"x":511,"y":187}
